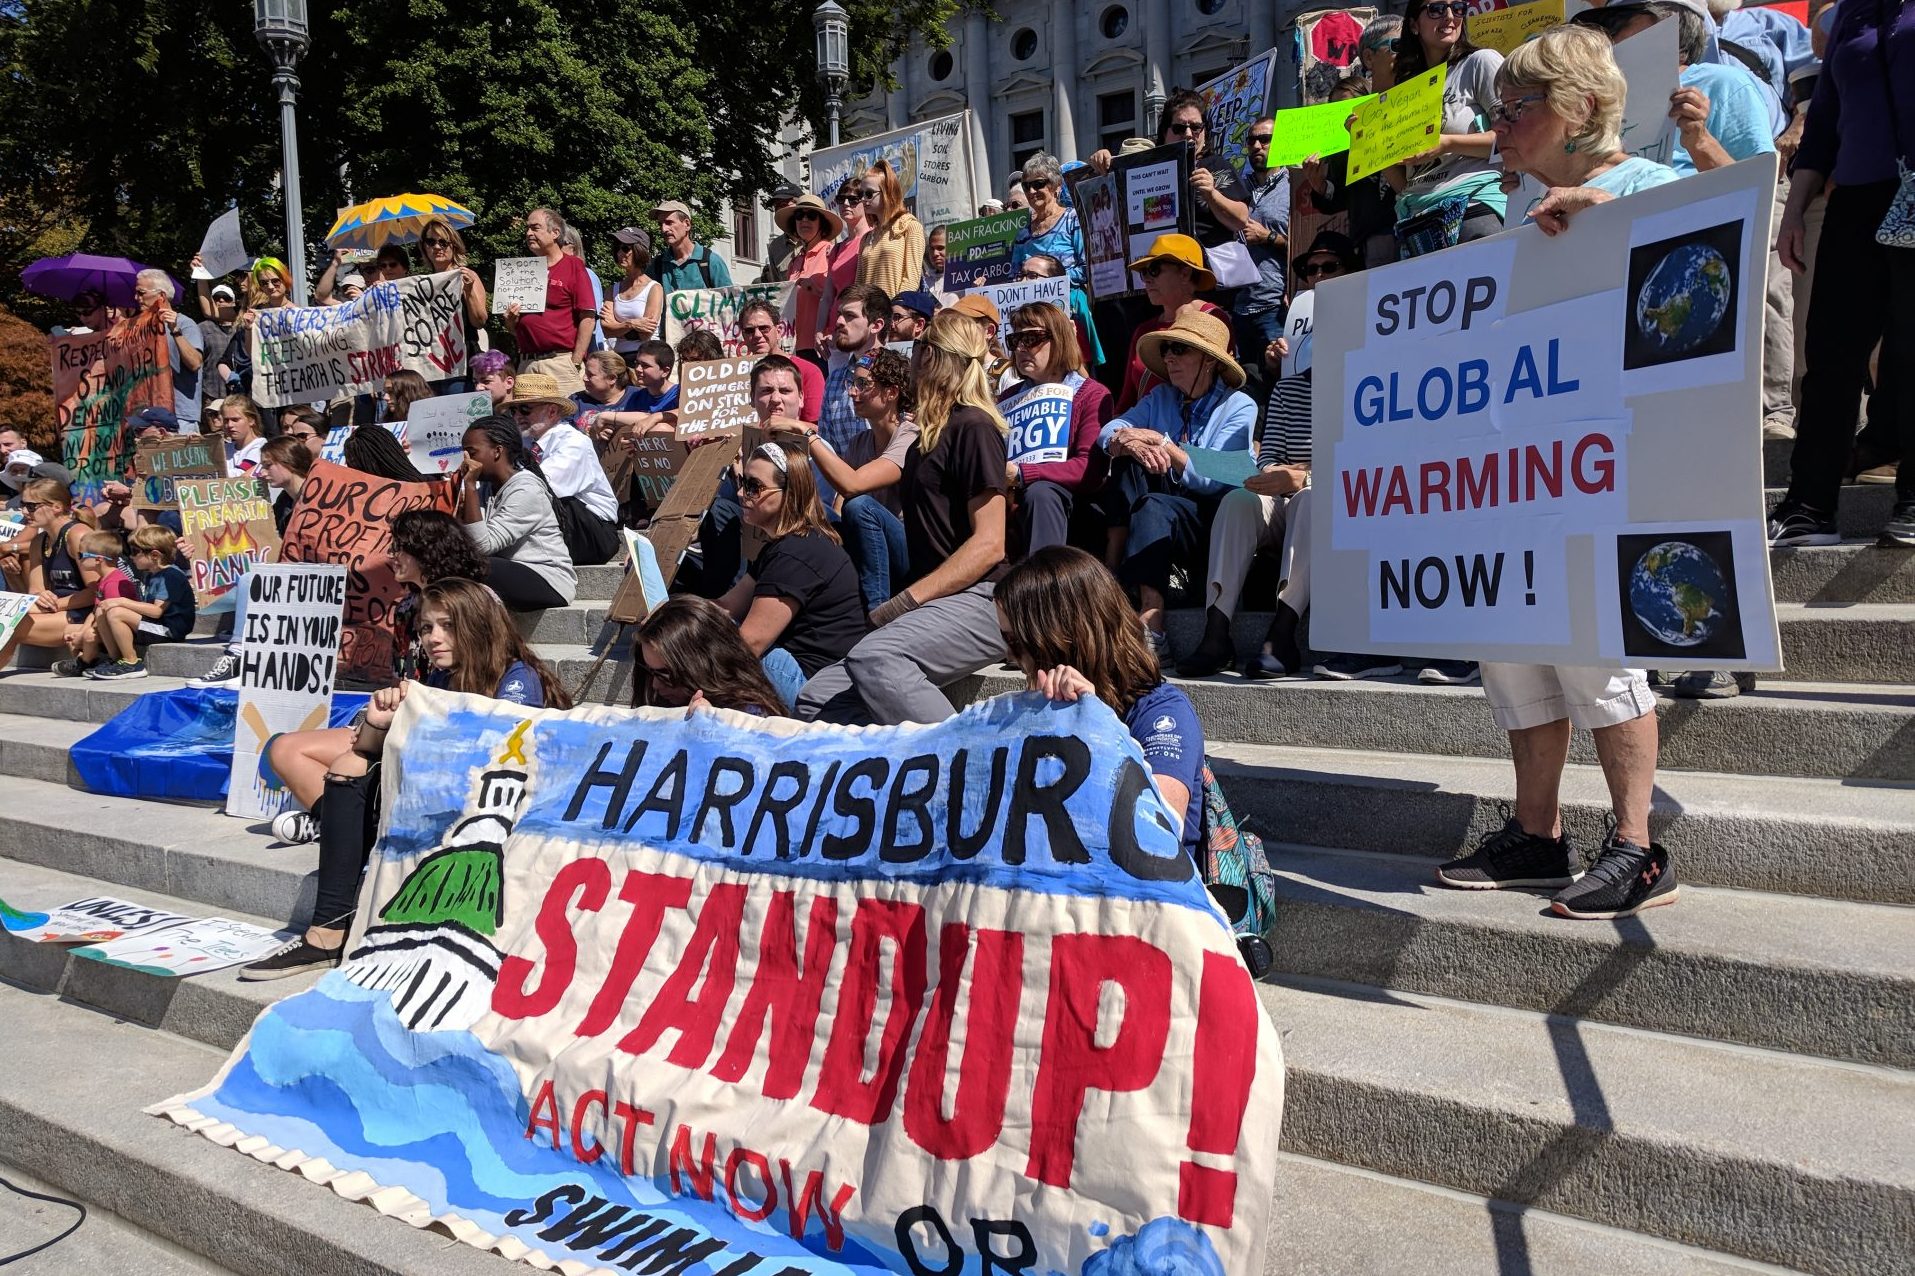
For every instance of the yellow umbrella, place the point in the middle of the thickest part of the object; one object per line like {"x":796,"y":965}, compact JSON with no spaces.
{"x":396,"y":219}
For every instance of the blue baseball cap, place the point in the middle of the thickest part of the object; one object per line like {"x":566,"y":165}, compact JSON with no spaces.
{"x":917,"y":302}
{"x":154,"y":418}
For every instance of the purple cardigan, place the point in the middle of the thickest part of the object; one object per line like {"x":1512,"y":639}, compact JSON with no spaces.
{"x":1848,"y":134}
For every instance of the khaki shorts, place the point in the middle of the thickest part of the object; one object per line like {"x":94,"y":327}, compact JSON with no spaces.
{"x":1524,"y":696}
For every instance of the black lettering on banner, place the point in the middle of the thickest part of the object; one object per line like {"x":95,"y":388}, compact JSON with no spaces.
{"x":861,"y":811}
{"x":1478,"y":579}
{"x":1125,"y":851}
{"x":1025,"y":1257}
{"x":908,"y":1242}
{"x":964,"y":845}
{"x":543,"y":1207}
{"x":721,"y":800}
{"x":619,"y":782}
{"x":778,"y":808}
{"x":914,"y":801}
{"x":667,"y":795}
{"x":1046,"y":801}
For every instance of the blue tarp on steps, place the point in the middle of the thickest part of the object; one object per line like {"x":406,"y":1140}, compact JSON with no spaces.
{"x":173,"y":745}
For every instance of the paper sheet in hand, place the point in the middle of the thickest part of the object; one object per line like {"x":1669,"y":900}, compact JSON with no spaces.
{"x":520,"y":281}
{"x":1232,"y":466}
{"x":222,"y":252}
{"x":1648,"y":61}
{"x":1405,"y":121}
{"x":1319,"y":130}
{"x":435,"y":429}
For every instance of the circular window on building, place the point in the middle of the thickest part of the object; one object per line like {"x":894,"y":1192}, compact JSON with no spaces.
{"x":1211,"y":6}
{"x":1115,"y":22}
{"x":941,"y":66}
{"x":1024,"y":44}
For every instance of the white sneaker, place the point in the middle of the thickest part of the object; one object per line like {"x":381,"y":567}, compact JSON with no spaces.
{"x":224,"y":673}
{"x":296,"y":826}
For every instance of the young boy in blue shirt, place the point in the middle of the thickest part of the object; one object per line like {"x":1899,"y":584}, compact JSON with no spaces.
{"x":163,"y":612}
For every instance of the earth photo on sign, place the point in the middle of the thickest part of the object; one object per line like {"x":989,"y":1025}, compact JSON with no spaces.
{"x":1678,"y":595}
{"x":1681,"y":297}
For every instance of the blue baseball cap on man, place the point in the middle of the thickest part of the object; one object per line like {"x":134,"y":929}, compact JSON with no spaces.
{"x":917,"y":302}
{"x":153,"y":419}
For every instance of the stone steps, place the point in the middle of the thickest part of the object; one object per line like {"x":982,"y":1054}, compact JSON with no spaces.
{"x":104,"y":1242}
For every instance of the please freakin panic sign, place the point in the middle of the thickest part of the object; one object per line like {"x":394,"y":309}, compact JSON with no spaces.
{"x":716,"y":993}
{"x":1510,"y":433}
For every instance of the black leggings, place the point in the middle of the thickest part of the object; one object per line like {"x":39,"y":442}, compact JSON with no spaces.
{"x":348,"y":813}
{"x":519,"y":587}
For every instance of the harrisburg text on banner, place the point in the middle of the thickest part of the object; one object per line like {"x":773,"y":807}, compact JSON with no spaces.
{"x":638,"y":990}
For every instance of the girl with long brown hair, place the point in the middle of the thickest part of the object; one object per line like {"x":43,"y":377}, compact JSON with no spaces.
{"x":892,"y":256}
{"x":940,"y":627}
{"x":1068,"y":626}
{"x":688,"y":652}
{"x":64,"y":584}
{"x":797,"y":605}
{"x":403,"y":389}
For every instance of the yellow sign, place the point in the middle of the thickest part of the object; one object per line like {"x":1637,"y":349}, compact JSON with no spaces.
{"x":1395,"y":125}
{"x":1504,"y":29}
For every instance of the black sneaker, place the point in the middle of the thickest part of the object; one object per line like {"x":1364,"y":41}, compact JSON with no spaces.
{"x":1624,"y":880}
{"x":1347,"y":668}
{"x":1710,"y":684}
{"x":293,"y":958}
{"x":1800,"y":525}
{"x":1901,"y":525}
{"x":118,"y":671}
{"x":1449,"y":673}
{"x":224,"y":673}
{"x":1513,"y":857}
{"x":73,"y":667}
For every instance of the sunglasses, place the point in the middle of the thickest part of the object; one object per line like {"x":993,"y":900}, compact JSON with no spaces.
{"x":1513,"y":110}
{"x":29,"y":506}
{"x":1037,"y":183}
{"x":111,"y":558}
{"x":436,"y":243}
{"x":1151,"y":270}
{"x":1029,"y":339}
{"x":662,"y":676}
{"x":1260,"y":139}
{"x":1180,"y":349}
{"x":752,"y":486}
{"x":758,"y":329}
{"x":302,"y":434}
{"x":1452,"y":9}
{"x":807,"y":217}
{"x":1188,"y":128}
{"x":1311,"y":269}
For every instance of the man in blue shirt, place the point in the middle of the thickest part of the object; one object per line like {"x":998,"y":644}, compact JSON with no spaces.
{"x":685,"y":263}
{"x":1259,"y":309}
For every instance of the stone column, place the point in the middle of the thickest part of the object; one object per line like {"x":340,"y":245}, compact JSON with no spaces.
{"x":897,"y":103}
{"x":1260,"y":25}
{"x":1156,"y":62}
{"x":1064,"y":77}
{"x":977,"y":94}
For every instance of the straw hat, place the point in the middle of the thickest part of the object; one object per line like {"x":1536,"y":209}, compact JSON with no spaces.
{"x":809,"y":203}
{"x":1180,"y":248}
{"x":1136,"y":146}
{"x":537,"y":387}
{"x":1199,"y":329}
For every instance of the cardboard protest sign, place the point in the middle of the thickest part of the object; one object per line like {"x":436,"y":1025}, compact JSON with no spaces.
{"x":288,"y":660}
{"x":1151,"y":197}
{"x":1395,"y":125}
{"x":1233,"y":102}
{"x":717,"y":309}
{"x":715,"y":395}
{"x":1102,"y":224}
{"x":1504,"y":29}
{"x":657,"y":460}
{"x":94,"y":919}
{"x":1040,"y":421}
{"x":344,"y":516}
{"x":1321,"y":130}
{"x":1649,"y":63}
{"x":307,"y":353}
{"x":675,"y":519}
{"x":1507,"y":434}
{"x":14,"y":609}
{"x":932,"y":161}
{"x":762,"y":996}
{"x":1008,"y":297}
{"x":981,"y":249}
{"x":646,"y":575}
{"x":520,"y":281}
{"x":160,"y":462}
{"x":222,"y":251}
{"x":100,"y":381}
{"x":197,"y":946}
{"x":230,"y":524}
{"x":435,"y":428}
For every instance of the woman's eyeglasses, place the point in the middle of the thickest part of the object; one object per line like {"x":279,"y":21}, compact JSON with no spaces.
{"x":862,"y":385}
{"x":660,"y":677}
{"x":1029,"y":339}
{"x":1037,"y":183}
{"x":1152,"y":269}
{"x":27,"y":507}
{"x":1311,"y":269}
{"x":1189,"y":128}
{"x":302,"y":434}
{"x":1513,"y":110}
{"x":753,"y":486}
{"x":1447,"y":9}
{"x":437,"y":243}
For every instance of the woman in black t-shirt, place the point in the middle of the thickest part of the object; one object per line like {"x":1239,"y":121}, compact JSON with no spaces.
{"x":942,"y":626}
{"x":798,"y":606}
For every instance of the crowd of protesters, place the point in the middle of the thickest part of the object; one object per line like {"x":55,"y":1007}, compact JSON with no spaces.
{"x":883,"y":540}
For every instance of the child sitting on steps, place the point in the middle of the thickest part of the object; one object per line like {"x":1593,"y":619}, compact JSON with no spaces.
{"x":153,"y":604}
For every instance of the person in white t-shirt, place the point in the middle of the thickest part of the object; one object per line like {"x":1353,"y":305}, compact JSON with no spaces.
{"x":565,"y":456}
{"x":244,"y":426}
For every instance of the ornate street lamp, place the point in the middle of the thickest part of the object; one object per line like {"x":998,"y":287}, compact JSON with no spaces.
{"x":833,"y":26}
{"x":282,"y":30}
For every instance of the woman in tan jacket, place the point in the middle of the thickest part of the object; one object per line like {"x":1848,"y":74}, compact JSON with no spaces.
{"x":892,"y":257}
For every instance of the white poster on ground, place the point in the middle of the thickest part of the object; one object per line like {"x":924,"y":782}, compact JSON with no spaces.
{"x":194,"y":947}
{"x":92,"y":920}
{"x":1513,"y":438}
{"x":932,"y":160}
{"x":435,"y":429}
{"x":222,"y":251}
{"x":289,"y":657}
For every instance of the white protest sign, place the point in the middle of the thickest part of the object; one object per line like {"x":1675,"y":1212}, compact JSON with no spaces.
{"x":333,"y":447}
{"x":222,"y":252}
{"x":1023,"y":292}
{"x":308,"y":353}
{"x":519,"y":281}
{"x":436,"y":427}
{"x":193,"y":947}
{"x":1507,"y":435}
{"x":1040,"y":421}
{"x":1649,"y":63}
{"x":643,"y":560}
{"x":717,"y":309}
{"x":289,"y":657}
{"x":1297,"y":323}
{"x":715,"y":394}
{"x":14,"y":609}
{"x":932,"y":161}
{"x":92,"y":920}
{"x":12,"y":527}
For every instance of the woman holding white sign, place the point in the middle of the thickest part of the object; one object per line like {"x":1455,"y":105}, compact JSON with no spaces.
{"x":444,"y":249}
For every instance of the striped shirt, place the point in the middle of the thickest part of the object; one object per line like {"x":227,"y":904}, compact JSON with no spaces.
{"x":1285,"y":428}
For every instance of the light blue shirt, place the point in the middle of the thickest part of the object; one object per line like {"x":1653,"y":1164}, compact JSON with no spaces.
{"x":1632,"y":175}
{"x":1757,"y":25}
{"x":1221,"y":421}
{"x":1738,"y":117}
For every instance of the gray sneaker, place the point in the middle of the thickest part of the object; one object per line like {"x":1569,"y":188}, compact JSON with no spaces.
{"x":1710,"y":684}
{"x":1901,"y":525}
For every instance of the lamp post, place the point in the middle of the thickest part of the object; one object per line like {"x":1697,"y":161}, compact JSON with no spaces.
{"x":281,"y":28}
{"x":833,"y":26}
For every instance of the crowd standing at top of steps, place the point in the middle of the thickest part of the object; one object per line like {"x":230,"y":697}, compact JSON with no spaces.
{"x":890,"y":520}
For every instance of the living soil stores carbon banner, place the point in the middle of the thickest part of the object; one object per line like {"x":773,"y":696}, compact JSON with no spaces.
{"x":652,"y":991}
{"x":1541,"y":449}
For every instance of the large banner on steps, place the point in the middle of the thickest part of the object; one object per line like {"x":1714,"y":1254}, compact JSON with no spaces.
{"x":636,"y":990}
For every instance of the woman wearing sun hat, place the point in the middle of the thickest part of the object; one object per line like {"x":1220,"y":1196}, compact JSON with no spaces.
{"x":1174,"y":273}
{"x":1174,"y":456}
{"x":813,"y":228}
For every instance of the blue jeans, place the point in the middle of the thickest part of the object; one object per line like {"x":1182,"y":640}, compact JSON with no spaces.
{"x":787,"y":679}
{"x":874,"y":540}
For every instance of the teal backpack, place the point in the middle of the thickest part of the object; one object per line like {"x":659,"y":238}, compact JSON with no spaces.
{"x":1239,"y":877}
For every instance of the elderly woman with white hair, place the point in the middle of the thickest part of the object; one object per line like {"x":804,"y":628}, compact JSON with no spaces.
{"x":1558,"y":118}
{"x":185,"y":347}
{"x":1053,"y":230}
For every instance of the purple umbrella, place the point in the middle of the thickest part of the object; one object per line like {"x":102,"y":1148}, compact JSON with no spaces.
{"x":69,"y":276}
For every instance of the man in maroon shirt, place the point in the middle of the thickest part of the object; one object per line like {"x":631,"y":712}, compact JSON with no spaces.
{"x":554,"y":342}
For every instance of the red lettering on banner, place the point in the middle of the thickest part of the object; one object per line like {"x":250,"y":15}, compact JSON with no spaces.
{"x":696,"y":1017}
{"x":984,"y":1074}
{"x":843,"y":1089}
{"x":1224,"y":1063}
{"x":702,"y":1173}
{"x":631,"y":1118}
{"x":546,"y":1104}
{"x":649,"y":894}
{"x":799,"y":1205}
{"x":785,"y":993}
{"x":591,"y":881}
{"x":1072,"y":1063}
{"x":740,"y":1157}
{"x":1511,"y":476}
{"x":586,"y":1102}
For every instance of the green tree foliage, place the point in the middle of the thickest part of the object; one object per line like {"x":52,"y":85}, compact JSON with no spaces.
{"x":135,"y":122}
